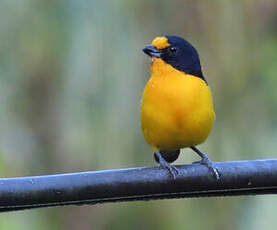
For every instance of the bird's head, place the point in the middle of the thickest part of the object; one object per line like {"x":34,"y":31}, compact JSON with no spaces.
{"x":176,"y":52}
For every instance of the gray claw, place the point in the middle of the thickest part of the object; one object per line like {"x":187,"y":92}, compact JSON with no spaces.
{"x":207,"y":162}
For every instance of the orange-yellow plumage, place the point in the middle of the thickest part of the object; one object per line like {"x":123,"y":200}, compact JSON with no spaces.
{"x":160,"y":42}
{"x":176,"y":110}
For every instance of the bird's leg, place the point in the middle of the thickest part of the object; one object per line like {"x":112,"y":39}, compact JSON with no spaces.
{"x":171,"y":168}
{"x":206,"y":161}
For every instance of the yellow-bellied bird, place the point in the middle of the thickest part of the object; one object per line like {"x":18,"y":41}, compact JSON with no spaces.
{"x":177,"y":108}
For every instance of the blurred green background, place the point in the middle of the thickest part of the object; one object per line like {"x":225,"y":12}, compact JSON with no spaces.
{"x":71,"y":78}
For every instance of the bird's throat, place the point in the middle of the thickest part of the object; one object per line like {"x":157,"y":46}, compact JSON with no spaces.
{"x":160,"y":68}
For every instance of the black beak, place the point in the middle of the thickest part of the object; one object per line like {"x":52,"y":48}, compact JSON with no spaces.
{"x":152,"y":51}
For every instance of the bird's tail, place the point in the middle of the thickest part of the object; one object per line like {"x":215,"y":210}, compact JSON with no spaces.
{"x":170,"y":155}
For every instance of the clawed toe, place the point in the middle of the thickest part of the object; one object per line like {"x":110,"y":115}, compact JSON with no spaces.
{"x":171,"y":168}
{"x":207,"y":162}
{"x":173,"y":171}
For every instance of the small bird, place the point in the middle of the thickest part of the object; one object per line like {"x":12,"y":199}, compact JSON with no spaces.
{"x":177,"y":108}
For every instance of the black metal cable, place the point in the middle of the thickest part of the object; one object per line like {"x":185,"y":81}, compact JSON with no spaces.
{"x":253,"y":177}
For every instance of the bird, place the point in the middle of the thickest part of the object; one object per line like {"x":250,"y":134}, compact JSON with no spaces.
{"x":177,"y":107}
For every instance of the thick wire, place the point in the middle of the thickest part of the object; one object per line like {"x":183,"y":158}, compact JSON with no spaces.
{"x":255,"y":177}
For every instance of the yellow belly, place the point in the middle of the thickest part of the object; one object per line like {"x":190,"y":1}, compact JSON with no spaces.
{"x":176,"y":110}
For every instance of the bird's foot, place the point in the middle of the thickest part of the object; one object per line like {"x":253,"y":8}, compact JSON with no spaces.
{"x":164,"y":164}
{"x":209,"y":164}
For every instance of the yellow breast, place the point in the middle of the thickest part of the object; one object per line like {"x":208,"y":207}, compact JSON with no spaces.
{"x":176,"y":110}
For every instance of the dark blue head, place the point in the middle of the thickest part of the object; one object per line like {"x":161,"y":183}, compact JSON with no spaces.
{"x":177,"y":52}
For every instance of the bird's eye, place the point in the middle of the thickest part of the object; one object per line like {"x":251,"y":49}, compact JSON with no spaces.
{"x":173,"y":49}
